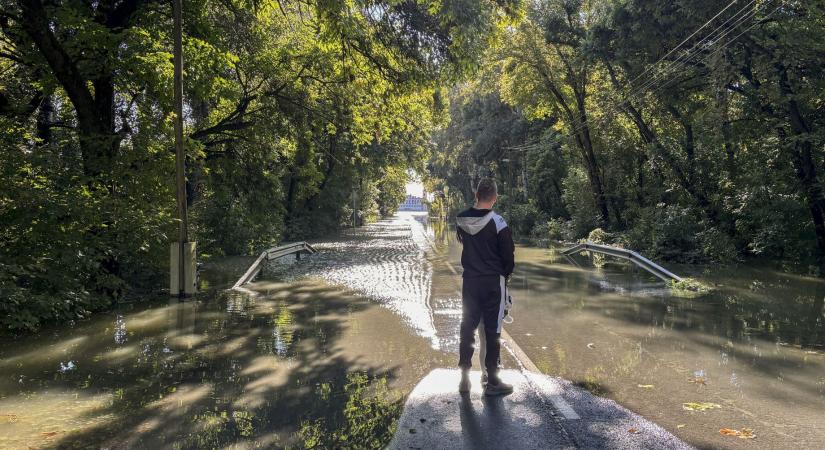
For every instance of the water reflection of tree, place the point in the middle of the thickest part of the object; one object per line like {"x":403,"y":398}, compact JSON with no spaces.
{"x":815,"y":333}
{"x":443,"y":231}
{"x":764,"y":311}
{"x":198,"y":381}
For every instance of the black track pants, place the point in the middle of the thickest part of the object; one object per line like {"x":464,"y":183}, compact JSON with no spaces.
{"x":482,"y":299}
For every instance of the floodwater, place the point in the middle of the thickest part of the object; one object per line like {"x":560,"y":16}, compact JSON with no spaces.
{"x":752,"y":351}
{"x":287,"y":363}
{"x":317,"y":352}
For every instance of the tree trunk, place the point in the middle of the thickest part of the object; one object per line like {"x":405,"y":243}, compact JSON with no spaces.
{"x":93,"y":112}
{"x":803,"y":161}
{"x":45,"y":116}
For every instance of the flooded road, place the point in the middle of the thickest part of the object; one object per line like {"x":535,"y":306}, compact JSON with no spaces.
{"x":376,"y":310}
{"x":319,"y":352}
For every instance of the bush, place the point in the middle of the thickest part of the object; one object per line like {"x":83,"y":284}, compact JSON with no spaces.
{"x":688,"y":288}
{"x":578,"y":199}
{"x":599,"y":236}
{"x":666,"y":232}
{"x":522,"y":219}
{"x":560,"y":230}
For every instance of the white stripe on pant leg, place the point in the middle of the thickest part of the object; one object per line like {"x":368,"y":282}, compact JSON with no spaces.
{"x":482,"y":346}
{"x":502,"y":288}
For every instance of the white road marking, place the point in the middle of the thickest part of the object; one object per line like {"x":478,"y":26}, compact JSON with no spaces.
{"x":564,"y":408}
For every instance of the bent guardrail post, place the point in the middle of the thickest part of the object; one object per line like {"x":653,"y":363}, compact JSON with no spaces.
{"x":268,"y":255}
{"x":629,"y":255}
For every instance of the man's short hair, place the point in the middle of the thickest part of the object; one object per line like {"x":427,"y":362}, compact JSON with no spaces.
{"x":486,"y":189}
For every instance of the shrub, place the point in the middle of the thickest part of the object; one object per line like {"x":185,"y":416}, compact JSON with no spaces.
{"x":578,"y":199}
{"x":666,"y":232}
{"x":522,"y":219}
{"x":560,"y":230}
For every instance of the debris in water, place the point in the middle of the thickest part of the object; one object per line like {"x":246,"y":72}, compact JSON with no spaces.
{"x":633,"y":431}
{"x":700,"y":406}
{"x":69,"y":366}
{"x":645,"y":386}
{"x":591,"y":345}
{"x":744,"y":433}
{"x":699,"y":377}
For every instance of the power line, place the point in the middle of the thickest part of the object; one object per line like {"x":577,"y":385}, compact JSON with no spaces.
{"x":738,"y":18}
{"x":683,"y":42}
{"x":725,"y":45}
{"x":681,"y":61}
{"x":673,"y":64}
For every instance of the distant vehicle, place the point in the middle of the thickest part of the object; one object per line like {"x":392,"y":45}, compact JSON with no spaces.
{"x":413,"y":203}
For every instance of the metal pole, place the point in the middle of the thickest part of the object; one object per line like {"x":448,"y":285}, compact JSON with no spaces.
{"x":180,"y":156}
{"x":524,"y":176}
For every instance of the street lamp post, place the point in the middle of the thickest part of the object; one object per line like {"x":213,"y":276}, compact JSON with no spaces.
{"x":183,"y":253}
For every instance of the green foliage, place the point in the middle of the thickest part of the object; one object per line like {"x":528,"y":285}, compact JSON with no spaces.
{"x":560,"y":230}
{"x":689,"y":288}
{"x":298,"y":118}
{"x":522,"y":218}
{"x":716,"y":160}
{"x":576,"y":195}
{"x":665,"y":232}
{"x":598,"y":236}
{"x":368,"y":420}
{"x":392,"y":190}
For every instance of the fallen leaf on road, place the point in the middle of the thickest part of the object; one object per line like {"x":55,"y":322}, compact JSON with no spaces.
{"x":700,"y":406}
{"x":747,"y":433}
{"x":645,"y":386}
{"x":744,"y":433}
{"x":633,"y":431}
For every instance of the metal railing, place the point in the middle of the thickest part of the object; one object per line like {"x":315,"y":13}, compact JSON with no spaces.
{"x":273,"y":253}
{"x":629,"y":255}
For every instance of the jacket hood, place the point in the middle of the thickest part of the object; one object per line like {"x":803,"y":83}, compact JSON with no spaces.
{"x":472,"y":225}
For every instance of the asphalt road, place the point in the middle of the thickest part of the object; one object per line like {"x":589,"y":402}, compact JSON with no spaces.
{"x":543,"y":413}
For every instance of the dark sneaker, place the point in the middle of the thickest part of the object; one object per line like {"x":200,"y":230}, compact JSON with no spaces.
{"x":464,"y":385}
{"x":498,"y":389}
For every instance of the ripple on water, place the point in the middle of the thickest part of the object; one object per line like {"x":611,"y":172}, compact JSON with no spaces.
{"x":385,"y":261}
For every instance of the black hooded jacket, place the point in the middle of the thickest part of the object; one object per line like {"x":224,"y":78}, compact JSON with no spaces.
{"x":488,"y":244}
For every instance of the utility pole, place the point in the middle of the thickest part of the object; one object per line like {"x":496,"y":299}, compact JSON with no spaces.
{"x":524,"y":176}
{"x":183,"y":258}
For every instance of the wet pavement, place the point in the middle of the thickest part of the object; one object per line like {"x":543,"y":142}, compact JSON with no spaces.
{"x":436,"y":416}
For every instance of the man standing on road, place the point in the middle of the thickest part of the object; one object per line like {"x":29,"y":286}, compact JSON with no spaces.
{"x":488,"y":260}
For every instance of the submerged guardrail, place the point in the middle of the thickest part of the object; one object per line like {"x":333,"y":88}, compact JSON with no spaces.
{"x":272,"y":253}
{"x":629,"y":255}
